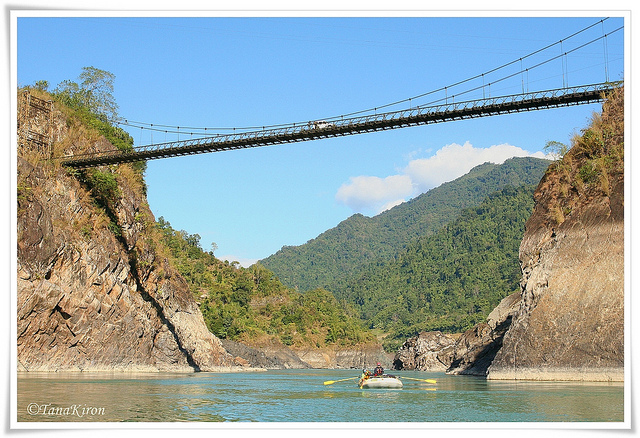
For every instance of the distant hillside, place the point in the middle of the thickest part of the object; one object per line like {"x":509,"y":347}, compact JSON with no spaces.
{"x":251,"y":306}
{"x":450,"y":280}
{"x":337,"y":254}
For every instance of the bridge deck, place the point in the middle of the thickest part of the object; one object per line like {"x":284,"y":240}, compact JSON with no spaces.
{"x":349,"y":126}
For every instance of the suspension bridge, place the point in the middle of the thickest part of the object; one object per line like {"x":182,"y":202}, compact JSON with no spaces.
{"x":442,"y":110}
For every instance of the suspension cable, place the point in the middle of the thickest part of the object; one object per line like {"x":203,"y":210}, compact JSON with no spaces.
{"x":212,"y":131}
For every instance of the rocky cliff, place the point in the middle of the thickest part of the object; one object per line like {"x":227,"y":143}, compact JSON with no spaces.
{"x":429,"y":351}
{"x":94,"y":291}
{"x":567,"y":323}
{"x":470,"y":353}
{"x":570,"y":323}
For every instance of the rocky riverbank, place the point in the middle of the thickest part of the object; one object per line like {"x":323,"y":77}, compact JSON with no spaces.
{"x":278,"y":356}
{"x":471,"y":352}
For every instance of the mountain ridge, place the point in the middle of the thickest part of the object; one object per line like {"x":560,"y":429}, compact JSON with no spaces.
{"x":338,"y":253}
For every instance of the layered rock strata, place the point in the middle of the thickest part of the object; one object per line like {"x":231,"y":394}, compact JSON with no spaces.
{"x":93,"y":291}
{"x":570,"y":325}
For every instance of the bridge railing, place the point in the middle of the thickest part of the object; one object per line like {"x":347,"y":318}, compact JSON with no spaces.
{"x":333,"y":123}
{"x":340,"y":126}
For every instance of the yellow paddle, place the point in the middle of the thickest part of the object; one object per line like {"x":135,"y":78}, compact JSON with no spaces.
{"x":419,"y":380}
{"x":331,"y":382}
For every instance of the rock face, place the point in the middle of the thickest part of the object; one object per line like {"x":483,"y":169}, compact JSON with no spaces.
{"x":349,"y":357}
{"x":570,"y":323}
{"x":471,"y":353}
{"x":93,"y":291}
{"x":280,"y":357}
{"x":429,"y":351}
{"x":477,"y":347}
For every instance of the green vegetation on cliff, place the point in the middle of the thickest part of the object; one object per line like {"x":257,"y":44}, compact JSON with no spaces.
{"x":592,"y":165}
{"x":84,"y":121}
{"x":252,"y":306}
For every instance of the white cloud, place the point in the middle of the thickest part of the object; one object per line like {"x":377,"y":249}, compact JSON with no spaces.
{"x":389,"y":205}
{"x":454,"y":160}
{"x":371,"y":194}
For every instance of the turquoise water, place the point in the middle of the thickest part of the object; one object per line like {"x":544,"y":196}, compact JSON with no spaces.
{"x":300,"y":396}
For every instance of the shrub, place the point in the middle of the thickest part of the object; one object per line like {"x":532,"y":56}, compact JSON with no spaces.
{"x":103,"y":185}
{"x":588,"y":173}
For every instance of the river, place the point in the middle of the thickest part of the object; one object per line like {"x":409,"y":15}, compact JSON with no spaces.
{"x":292,"y":396}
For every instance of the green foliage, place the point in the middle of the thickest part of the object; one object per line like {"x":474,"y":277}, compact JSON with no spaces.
{"x":556,"y":148}
{"x":588,"y":173}
{"x":450,"y":280}
{"x":595,"y":163}
{"x":41,"y":85}
{"x":245,"y":304}
{"x":116,"y":135}
{"x":94,"y":93}
{"x":339,"y":253}
{"x":103,"y":185}
{"x":94,"y":106}
{"x":114,"y":228}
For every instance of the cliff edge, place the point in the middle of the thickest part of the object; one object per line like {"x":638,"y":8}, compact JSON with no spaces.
{"x":94,"y":291}
{"x":570,"y":322}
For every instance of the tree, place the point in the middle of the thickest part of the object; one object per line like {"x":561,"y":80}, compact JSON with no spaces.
{"x":97,"y":86}
{"x":41,"y":85}
{"x":556,"y":149}
{"x":69,"y":93}
{"x":94,"y":93}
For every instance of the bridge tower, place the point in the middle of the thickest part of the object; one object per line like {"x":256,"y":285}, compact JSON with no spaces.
{"x":35,"y":123}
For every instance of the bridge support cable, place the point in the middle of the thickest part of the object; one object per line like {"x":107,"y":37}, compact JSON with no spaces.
{"x":436,"y":94}
{"x":349,"y":126}
{"x":606,"y":54}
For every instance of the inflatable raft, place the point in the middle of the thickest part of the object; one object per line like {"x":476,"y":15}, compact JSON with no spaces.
{"x":384,"y":381}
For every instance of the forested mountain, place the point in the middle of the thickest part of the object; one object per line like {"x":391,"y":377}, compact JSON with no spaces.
{"x":250,"y":305}
{"x":339,"y":253}
{"x":450,"y":280}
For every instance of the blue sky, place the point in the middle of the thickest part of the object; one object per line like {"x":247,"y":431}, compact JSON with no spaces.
{"x":252,"y":71}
